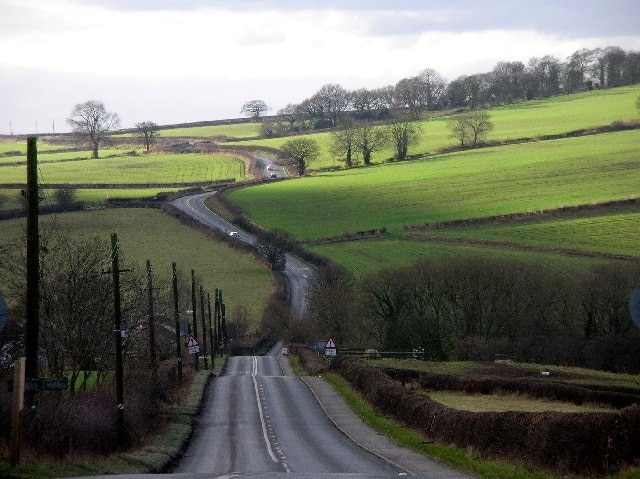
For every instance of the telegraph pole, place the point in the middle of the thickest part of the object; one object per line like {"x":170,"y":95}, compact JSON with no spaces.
{"x":204,"y":329}
{"x":33,"y":262}
{"x":152,"y":332}
{"x":194,"y":314}
{"x":115,"y":271}
{"x":211,"y":334}
{"x":176,"y":315}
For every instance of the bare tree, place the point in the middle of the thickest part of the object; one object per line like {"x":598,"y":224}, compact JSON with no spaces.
{"x":343,"y":144}
{"x":369,"y":139}
{"x":470,"y":128}
{"x":299,"y":151}
{"x":254,"y":108}
{"x":403,"y":133}
{"x":93,"y":120}
{"x":148,"y":131}
{"x":331,"y":100}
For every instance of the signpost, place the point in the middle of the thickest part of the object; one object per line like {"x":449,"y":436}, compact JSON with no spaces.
{"x":330,"y":348}
{"x":192,"y":345}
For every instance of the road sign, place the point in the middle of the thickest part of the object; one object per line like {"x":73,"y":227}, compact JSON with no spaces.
{"x":330,"y":348}
{"x":192,"y":345}
{"x":634,"y":305}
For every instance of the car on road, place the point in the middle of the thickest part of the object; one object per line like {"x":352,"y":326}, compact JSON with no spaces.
{"x":273,"y":175}
{"x":234,"y":234}
{"x":271,"y":167}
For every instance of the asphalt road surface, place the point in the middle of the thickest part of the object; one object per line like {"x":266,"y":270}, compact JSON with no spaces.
{"x":296,"y":272}
{"x":256,"y":420}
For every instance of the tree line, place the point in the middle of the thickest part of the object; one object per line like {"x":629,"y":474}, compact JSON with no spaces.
{"x":475,"y":308}
{"x":508,"y":82}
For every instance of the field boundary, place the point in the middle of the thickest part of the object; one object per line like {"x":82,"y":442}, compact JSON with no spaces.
{"x":562,"y":212}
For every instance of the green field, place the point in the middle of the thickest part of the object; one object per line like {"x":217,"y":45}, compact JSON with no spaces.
{"x":530,"y":119}
{"x":8,"y":144}
{"x":66,"y":156}
{"x":467,"y":184}
{"x":236,"y":130}
{"x":150,"y":234}
{"x":368,"y":256}
{"x":613,"y":233}
{"x":148,"y":169}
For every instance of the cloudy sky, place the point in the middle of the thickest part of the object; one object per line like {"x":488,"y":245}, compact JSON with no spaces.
{"x":171,"y":61}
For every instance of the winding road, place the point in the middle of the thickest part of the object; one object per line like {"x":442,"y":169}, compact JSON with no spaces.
{"x":297,"y":273}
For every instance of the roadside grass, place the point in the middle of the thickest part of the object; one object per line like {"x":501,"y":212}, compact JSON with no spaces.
{"x":147,"y":169}
{"x":614,"y":233}
{"x":368,"y":256}
{"x":234,"y":130}
{"x":455,"y":457}
{"x":150,"y":234}
{"x":461,"y":185}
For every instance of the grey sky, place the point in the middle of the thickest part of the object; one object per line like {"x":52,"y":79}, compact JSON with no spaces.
{"x":192,"y":60}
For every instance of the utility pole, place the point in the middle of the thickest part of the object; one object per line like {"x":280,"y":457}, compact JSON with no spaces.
{"x":204,"y":329}
{"x":115,"y":271}
{"x":194,"y":314}
{"x":211,"y":334}
{"x":176,"y":315}
{"x":33,"y":262}
{"x":152,"y":332}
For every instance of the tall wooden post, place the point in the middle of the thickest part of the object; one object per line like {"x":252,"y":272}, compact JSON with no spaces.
{"x":211,"y":334}
{"x":117,"y":330}
{"x":194,"y":314}
{"x":18,"y":407}
{"x":204,"y":329}
{"x":32,"y":329}
{"x":152,"y":332}
{"x":176,"y":315}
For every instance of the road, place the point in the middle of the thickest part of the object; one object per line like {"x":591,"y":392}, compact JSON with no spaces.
{"x":256,"y":420}
{"x":297,"y":273}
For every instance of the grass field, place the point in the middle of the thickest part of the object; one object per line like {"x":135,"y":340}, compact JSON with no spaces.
{"x":467,"y":184}
{"x":150,"y":234}
{"x":368,"y":256}
{"x":66,"y":156}
{"x":148,"y":169}
{"x":615,"y":233}
{"x":8,"y":145}
{"x":505,"y":403}
{"x":236,"y":130}
{"x":530,"y":119}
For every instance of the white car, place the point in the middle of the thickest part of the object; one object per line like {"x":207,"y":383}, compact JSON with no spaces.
{"x":234,"y":234}
{"x":271,"y":167}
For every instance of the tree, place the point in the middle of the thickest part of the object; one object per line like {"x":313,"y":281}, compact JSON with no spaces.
{"x":148,"y":132}
{"x":93,"y":120}
{"x":403,"y":133}
{"x":369,"y":139}
{"x":65,"y":195}
{"x":470,"y":128}
{"x":332,"y":100}
{"x":343,"y":144}
{"x":255,"y":108}
{"x":299,"y":151}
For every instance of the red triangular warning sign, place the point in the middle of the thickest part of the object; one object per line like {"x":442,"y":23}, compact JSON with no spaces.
{"x":330,"y":344}
{"x":191,"y":342}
